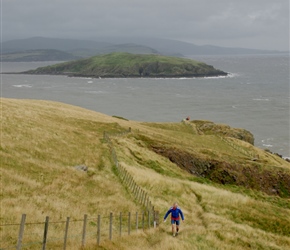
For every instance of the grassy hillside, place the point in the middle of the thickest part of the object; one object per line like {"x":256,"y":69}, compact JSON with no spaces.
{"x":42,"y":141}
{"x":131,"y":65}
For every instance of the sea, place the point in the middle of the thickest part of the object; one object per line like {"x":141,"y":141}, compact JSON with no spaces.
{"x":254,"y":96}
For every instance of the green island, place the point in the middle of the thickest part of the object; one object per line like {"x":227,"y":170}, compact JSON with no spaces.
{"x":233,"y":194}
{"x":124,"y":65}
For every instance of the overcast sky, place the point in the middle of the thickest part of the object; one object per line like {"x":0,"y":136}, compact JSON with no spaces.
{"x":262,"y":24}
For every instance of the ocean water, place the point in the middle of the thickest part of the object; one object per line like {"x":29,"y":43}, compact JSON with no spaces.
{"x":255,"y":95}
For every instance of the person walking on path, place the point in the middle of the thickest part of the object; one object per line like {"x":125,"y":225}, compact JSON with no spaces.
{"x":175,"y":218}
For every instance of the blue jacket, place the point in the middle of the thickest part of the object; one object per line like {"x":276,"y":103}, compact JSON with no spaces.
{"x":174,"y":213}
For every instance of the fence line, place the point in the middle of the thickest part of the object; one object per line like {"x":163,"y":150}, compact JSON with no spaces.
{"x":105,"y":227}
{"x":237,"y":147}
{"x":138,"y":193}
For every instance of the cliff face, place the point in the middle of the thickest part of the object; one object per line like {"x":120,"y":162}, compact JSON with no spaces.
{"x":272,"y":182}
{"x":131,"y":65}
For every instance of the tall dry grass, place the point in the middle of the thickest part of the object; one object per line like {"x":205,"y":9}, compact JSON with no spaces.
{"x":42,"y":141}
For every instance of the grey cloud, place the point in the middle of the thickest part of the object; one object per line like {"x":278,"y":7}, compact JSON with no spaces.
{"x":223,"y":22}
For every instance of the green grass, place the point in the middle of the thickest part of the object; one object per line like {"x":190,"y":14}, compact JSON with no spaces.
{"x":128,"y":60}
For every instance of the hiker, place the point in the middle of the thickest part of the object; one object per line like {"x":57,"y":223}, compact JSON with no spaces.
{"x":175,"y":219}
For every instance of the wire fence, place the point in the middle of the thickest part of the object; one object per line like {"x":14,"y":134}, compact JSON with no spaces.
{"x":68,"y":233}
{"x":245,"y":151}
{"x":126,"y":178}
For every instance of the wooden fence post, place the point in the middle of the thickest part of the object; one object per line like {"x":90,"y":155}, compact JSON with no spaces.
{"x":134,"y":189}
{"x":157,"y":218}
{"x":66,"y":232}
{"x":138,"y":194}
{"x":148,"y":219}
{"x":154,"y":217}
{"x":126,"y":177}
{"x":131,"y":183}
{"x":129,"y":223}
{"x":142,"y":196}
{"x":136,"y":221}
{"x":120,"y":224}
{"x":99,"y":230}
{"x":84,"y":230}
{"x":121,"y":172}
{"x":144,"y":199}
{"x":143,"y":220}
{"x":110,"y":228}
{"x":45,"y":233}
{"x":21,"y":232}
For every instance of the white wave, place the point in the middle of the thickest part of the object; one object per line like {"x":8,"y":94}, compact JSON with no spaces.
{"x":230,"y":75}
{"x":22,"y":86}
{"x":90,"y":81}
{"x":95,"y":92}
{"x":268,"y":145}
{"x":182,"y":96}
{"x":260,"y":99}
{"x":233,"y":75}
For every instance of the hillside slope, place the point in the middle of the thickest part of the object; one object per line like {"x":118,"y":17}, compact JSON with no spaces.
{"x":131,"y":65}
{"x":42,"y":142}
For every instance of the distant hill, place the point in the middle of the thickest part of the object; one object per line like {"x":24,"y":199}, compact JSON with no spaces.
{"x":88,"y":48}
{"x":131,"y":65}
{"x":38,"y":55}
{"x":24,"y":49}
{"x":174,"y":47}
{"x":43,"y":43}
